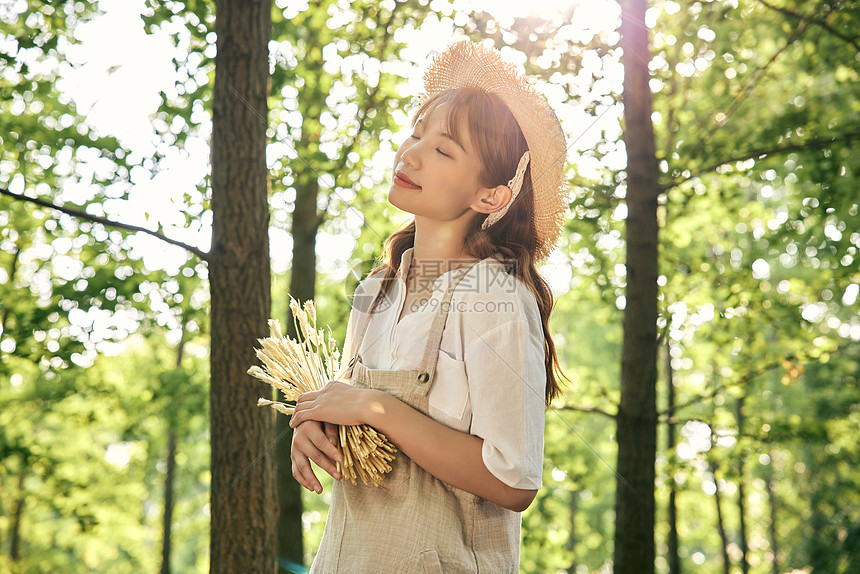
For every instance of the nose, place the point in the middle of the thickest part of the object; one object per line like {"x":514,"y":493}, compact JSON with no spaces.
{"x":409,"y":154}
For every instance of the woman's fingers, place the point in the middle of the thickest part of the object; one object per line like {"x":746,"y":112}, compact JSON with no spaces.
{"x":309,"y":396}
{"x":337,"y":403}
{"x":326,"y":442}
{"x":331,"y":431}
{"x":301,"y":466}
{"x":300,"y":414}
{"x":325,"y":455}
{"x":295,"y":419}
{"x":304,"y":475}
{"x":303,"y":404}
{"x":311,"y":443}
{"x":302,"y":471}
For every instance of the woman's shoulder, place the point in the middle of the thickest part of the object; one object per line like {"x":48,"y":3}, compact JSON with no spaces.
{"x":495,"y":278}
{"x":371,"y":281}
{"x":366,"y":290}
{"x":491,"y":288}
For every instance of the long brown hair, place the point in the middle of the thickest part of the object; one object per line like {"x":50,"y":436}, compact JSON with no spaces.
{"x":499,"y":144}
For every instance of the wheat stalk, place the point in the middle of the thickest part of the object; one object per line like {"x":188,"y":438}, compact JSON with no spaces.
{"x":307,"y":364}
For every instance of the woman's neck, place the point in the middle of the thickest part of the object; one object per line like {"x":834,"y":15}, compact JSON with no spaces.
{"x":439,"y":243}
{"x":437,"y":250}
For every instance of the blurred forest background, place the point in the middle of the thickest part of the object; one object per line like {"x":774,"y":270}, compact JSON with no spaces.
{"x":105,"y":396}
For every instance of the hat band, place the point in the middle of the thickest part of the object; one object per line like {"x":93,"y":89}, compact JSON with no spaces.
{"x":515,"y":184}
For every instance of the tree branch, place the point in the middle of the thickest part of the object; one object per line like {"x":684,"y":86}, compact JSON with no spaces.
{"x":809,"y":144}
{"x":369,"y":104}
{"x":581,"y":409}
{"x":753,"y":81}
{"x":820,"y":21}
{"x":749,"y":376}
{"x":104,"y":221}
{"x":745,"y":378}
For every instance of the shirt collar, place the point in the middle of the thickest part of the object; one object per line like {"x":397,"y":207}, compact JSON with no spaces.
{"x":405,"y":261}
{"x":441,"y":282}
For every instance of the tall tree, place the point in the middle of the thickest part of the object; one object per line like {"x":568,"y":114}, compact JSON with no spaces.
{"x":672,"y":511}
{"x":740,"y":461}
{"x":772,"y":535}
{"x":721,"y":525}
{"x":243,"y":478}
{"x":637,"y":412}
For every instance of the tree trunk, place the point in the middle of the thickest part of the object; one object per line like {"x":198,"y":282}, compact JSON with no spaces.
{"x":571,"y":541}
{"x":302,"y":287}
{"x":742,"y":534}
{"x":168,"y":501}
{"x":243,"y":505}
{"x":771,"y":501}
{"x":15,"y":534}
{"x":637,"y":413}
{"x":170,"y":474}
{"x":291,"y":548}
{"x":673,"y":558}
{"x":745,"y":565}
{"x":305,"y":224}
{"x":13,"y":267}
{"x":721,"y":526}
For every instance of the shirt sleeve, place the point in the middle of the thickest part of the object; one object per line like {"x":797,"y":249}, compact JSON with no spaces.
{"x":348,"y":342}
{"x":507,"y":381}
{"x":357,"y":314}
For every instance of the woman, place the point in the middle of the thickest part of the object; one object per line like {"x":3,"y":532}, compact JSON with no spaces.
{"x":452,"y":359}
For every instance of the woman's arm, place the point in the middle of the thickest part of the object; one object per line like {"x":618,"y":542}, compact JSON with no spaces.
{"x":451,"y":456}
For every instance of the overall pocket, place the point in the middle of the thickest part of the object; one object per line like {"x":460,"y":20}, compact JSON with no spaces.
{"x":430,"y":563}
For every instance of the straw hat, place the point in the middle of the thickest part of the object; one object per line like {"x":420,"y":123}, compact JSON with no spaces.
{"x":470,"y":65}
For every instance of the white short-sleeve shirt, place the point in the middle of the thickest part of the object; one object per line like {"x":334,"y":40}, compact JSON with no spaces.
{"x":490,"y":377}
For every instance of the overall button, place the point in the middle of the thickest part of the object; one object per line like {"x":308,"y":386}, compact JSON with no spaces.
{"x":424,"y":377}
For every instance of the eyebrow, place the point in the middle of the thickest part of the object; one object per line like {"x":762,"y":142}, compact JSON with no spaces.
{"x":446,"y":135}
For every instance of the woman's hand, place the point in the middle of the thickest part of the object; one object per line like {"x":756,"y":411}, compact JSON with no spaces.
{"x":314,"y":441}
{"x":316,"y":421}
{"x":337,"y":403}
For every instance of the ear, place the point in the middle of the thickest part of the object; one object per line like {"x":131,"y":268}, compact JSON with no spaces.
{"x":490,"y":199}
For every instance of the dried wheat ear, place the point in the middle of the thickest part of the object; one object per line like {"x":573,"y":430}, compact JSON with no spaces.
{"x":307,"y":364}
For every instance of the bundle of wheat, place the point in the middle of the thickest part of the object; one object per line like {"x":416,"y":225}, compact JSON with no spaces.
{"x":296,"y":367}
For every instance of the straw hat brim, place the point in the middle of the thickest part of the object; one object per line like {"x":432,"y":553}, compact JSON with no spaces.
{"x":466,"y":64}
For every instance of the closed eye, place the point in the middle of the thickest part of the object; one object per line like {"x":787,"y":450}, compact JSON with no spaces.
{"x":442,"y":152}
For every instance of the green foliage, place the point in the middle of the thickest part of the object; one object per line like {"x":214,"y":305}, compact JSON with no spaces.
{"x":756,"y":115}
{"x":82,"y":431}
{"x":757,"y":251}
{"x":92,"y":461}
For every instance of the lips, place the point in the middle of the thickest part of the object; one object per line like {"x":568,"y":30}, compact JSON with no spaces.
{"x":401,"y":180}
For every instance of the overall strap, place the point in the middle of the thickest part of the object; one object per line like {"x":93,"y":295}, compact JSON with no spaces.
{"x":431,"y":351}
{"x":434,"y":340}
{"x":361,"y":329}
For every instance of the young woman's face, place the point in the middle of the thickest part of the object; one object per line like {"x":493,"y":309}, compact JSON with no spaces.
{"x":434,"y":176}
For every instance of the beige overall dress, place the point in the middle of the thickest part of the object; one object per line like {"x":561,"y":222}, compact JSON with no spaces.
{"x":413,"y":522}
